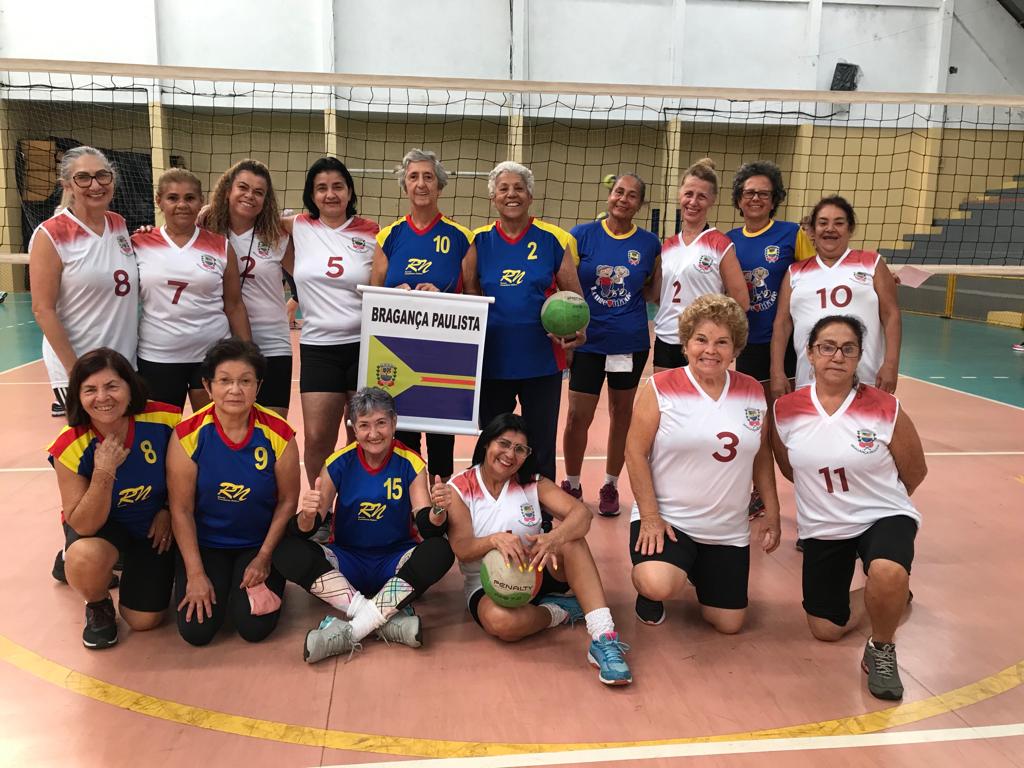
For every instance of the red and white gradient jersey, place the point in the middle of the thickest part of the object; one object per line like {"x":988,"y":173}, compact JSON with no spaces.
{"x":98,"y":301}
{"x":844,"y":475}
{"x":845,"y":288}
{"x":259,"y":267}
{"x":516,"y":510}
{"x":329,"y":264}
{"x":688,"y":271}
{"x":182,"y":295}
{"x":702,"y":460}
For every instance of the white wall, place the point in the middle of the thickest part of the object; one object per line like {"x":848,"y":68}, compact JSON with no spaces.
{"x":987,"y":49}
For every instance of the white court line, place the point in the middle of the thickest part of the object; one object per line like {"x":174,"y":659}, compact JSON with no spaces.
{"x":968,"y":377}
{"x":739,"y":747}
{"x":961,"y":392}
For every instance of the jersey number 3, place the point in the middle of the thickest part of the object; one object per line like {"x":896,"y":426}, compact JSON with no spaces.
{"x":728,"y":451}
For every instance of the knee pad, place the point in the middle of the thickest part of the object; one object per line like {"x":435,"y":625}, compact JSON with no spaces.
{"x":300,"y":560}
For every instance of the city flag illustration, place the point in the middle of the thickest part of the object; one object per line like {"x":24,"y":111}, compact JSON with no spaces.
{"x":428,"y":378}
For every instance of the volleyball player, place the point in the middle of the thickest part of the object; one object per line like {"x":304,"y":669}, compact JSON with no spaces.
{"x":190,"y":293}
{"x":617,"y":262}
{"x":696,"y":261}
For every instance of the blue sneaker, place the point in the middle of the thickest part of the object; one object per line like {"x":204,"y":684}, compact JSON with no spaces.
{"x":606,"y":654}
{"x":568,"y":603}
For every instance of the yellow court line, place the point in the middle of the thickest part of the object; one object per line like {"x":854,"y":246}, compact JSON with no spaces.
{"x":28,"y":661}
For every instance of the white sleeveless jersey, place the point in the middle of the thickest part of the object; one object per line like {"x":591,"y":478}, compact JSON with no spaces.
{"x":845,"y":288}
{"x":259,"y":267}
{"x":702,"y":460}
{"x":688,"y":271}
{"x":182,"y":291}
{"x":329,"y":264}
{"x":98,"y":301}
{"x":517,"y":509}
{"x":844,"y":476}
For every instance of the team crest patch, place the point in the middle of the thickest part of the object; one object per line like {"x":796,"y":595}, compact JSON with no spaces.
{"x":867,"y":441}
{"x":771,"y":254}
{"x":359,"y":245}
{"x":124,"y":245}
{"x":208,"y":262}
{"x":527,"y":515}
{"x":633,"y":257}
{"x":705,"y":262}
{"x":753,"y":419}
{"x":861,"y":277}
{"x":262,"y":250}
{"x":386,"y":375}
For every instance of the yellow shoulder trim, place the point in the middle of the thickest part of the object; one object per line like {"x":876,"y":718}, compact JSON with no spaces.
{"x":340,"y":452}
{"x":412,"y":457}
{"x":382,"y":235}
{"x":464,"y":230}
{"x":804,"y":247}
{"x":484,"y":228}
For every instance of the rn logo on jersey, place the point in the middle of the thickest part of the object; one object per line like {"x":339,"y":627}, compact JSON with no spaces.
{"x":633,"y":257}
{"x":134,"y":495}
{"x":753,"y":419}
{"x":771,"y":254}
{"x":208,"y":262}
{"x":866,"y":441}
{"x":233,"y":492}
{"x":705,"y":262}
{"x":359,"y":245}
{"x":371,"y":510}
{"x":512,"y":277}
{"x":861,"y":277}
{"x":124,"y":245}
{"x":262,"y":250}
{"x":418,"y":266}
{"x":386,"y":375}
{"x":527,"y":515}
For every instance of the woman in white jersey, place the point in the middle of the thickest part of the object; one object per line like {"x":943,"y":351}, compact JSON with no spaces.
{"x":243,"y":208}
{"x":696,"y":443}
{"x":497,"y":505}
{"x":333,"y":254}
{"x":854,"y":458}
{"x":698,"y":260}
{"x":190,"y":294}
{"x":838,"y":279}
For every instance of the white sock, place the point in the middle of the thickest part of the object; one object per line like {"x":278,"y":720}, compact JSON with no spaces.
{"x":364,"y":617}
{"x":574,"y":481}
{"x":558,"y":614}
{"x":612,"y":480}
{"x":599,"y":622}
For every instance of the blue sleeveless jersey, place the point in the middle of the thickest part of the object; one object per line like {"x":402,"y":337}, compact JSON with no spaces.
{"x":236,"y":490}
{"x":432,"y":255}
{"x":373,"y":511}
{"x":613,"y":270}
{"x":140,"y":488}
{"x":520,"y":274}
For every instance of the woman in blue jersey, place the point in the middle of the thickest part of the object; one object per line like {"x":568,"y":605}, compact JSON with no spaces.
{"x":110,"y":470}
{"x":423,"y":252}
{"x":233,"y":482}
{"x":375,"y":563}
{"x":617,"y":263}
{"x":520,"y":261}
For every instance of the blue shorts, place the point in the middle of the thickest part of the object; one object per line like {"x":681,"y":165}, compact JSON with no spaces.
{"x":368,"y":569}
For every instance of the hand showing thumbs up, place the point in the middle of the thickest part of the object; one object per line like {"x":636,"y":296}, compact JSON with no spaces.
{"x":310,"y":506}
{"x":440,"y":494}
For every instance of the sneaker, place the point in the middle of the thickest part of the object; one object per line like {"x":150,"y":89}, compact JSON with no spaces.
{"x":100,"y":624}
{"x":608,"y":506}
{"x":755,"y":508}
{"x":402,"y":629}
{"x":57,"y":410}
{"x":883,"y":674}
{"x":576,"y":493}
{"x":323,"y":534}
{"x":799,"y":545}
{"x":1018,"y":347}
{"x":332,"y":637}
{"x":3,"y":296}
{"x":606,"y":654}
{"x":650,"y":611}
{"x":568,"y":603}
{"x":58,"y":568}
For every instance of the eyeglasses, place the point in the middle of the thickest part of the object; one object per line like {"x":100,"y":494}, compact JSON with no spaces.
{"x":246,"y":382}
{"x":522,"y":451}
{"x":760,"y":194}
{"x":83,"y":180}
{"x":828,"y":349}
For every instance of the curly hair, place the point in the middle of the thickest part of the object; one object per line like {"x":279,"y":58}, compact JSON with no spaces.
{"x":759,"y":168}
{"x":268,"y":221}
{"x":720,"y":310}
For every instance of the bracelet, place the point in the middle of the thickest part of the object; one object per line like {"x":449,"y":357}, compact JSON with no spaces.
{"x":436,"y":510}
{"x":105,"y":472}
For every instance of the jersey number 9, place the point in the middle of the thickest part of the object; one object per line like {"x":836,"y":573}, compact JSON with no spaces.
{"x":261,"y":457}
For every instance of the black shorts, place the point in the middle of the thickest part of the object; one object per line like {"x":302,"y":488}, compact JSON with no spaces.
{"x":718,"y":571}
{"x":828,"y":564}
{"x":329,"y":368}
{"x":170,"y":382}
{"x":146,"y":577}
{"x":276,"y":389}
{"x":549,"y":585}
{"x":756,"y":360}
{"x":587,"y":373}
{"x":668,"y":355}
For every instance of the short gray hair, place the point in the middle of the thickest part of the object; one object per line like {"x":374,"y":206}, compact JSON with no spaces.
{"x":370,"y":399}
{"x":509,"y":166}
{"x":422,"y":156}
{"x":69,"y":157}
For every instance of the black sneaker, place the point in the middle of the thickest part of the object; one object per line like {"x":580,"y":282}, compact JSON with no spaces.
{"x":650,"y":611}
{"x":100,"y":624}
{"x":57,"y":410}
{"x":799,"y":545}
{"x":58,"y":568}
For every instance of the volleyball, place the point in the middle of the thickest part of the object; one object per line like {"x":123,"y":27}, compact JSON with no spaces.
{"x":564,"y":313}
{"x":609,"y":180}
{"x":507,"y":586}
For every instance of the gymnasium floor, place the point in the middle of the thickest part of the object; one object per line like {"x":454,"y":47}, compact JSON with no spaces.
{"x":464,"y":700}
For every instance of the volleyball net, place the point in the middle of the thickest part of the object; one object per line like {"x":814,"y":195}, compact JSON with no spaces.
{"x":936,"y":180}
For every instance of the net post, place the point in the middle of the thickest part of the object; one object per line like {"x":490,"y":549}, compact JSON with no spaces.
{"x":331,"y":132}
{"x":515,"y":132}
{"x":950,"y":295}
{"x":160,"y":140}
{"x":12,"y":276}
{"x":799,"y":198}
{"x":668,"y":184}
{"x":924,"y":167}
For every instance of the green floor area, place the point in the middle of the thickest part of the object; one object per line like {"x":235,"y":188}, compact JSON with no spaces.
{"x":971,"y":357}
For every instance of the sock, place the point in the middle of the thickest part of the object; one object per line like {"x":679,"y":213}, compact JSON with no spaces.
{"x":574,"y":481}
{"x":558,"y":614}
{"x":334,"y":589}
{"x":612,"y":480}
{"x":879,"y":646}
{"x":364,"y":617}
{"x":599,"y":622}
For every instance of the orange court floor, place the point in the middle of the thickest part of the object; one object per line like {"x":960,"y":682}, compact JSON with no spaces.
{"x":770,"y":695}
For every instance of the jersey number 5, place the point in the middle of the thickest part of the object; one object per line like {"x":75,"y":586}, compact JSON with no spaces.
{"x":334,"y":267}
{"x":729,"y":443}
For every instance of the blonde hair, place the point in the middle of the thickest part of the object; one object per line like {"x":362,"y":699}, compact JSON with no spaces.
{"x":268,"y":222}
{"x":720,"y":310}
{"x":177,"y":176}
{"x":705,"y":171}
